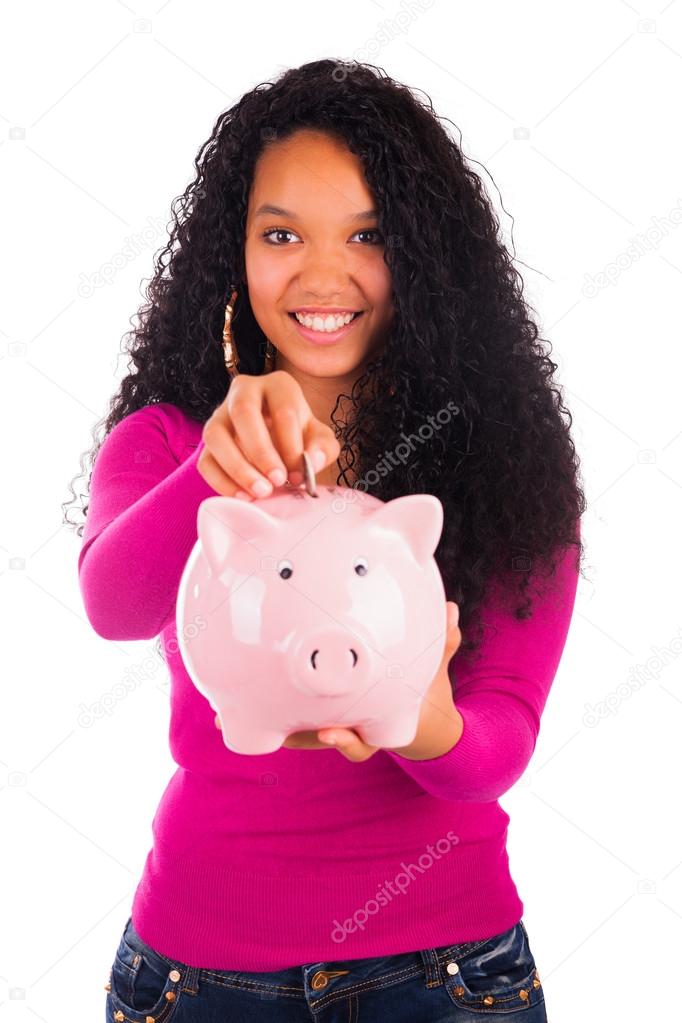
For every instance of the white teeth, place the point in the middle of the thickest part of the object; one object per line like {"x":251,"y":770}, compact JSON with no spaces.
{"x":324,"y":323}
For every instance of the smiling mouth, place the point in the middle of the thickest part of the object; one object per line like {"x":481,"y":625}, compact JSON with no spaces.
{"x":323,"y":332}
{"x":322,"y":316}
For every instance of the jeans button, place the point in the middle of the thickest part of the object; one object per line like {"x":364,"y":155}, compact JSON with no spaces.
{"x":322,"y":978}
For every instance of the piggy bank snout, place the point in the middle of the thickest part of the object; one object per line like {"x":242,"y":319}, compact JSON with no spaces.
{"x":330,"y":661}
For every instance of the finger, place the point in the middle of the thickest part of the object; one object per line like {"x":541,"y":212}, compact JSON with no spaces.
{"x":252,"y":435}
{"x":287,"y":430}
{"x":223,"y":448}
{"x":239,"y":470}
{"x":318,"y":437}
{"x":347,"y":742}
{"x":288,"y":411}
{"x":453,"y":635}
{"x":216,"y":477}
{"x":302,"y":740}
{"x":295,"y":428}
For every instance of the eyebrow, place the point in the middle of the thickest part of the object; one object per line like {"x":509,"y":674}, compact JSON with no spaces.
{"x":277,"y":211}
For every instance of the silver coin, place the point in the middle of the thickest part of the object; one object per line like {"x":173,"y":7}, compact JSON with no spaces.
{"x":309,"y":476}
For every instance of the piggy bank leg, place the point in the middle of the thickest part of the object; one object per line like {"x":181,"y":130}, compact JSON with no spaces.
{"x":248,"y":737}
{"x":389,"y":734}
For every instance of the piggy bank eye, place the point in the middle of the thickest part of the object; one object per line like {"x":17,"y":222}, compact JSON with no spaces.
{"x":285,"y":569}
{"x":360,"y":566}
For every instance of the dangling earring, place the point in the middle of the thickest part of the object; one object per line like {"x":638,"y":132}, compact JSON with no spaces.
{"x":230,"y":348}
{"x":270,"y":354}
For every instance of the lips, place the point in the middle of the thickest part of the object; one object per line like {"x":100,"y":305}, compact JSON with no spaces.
{"x":323,"y":311}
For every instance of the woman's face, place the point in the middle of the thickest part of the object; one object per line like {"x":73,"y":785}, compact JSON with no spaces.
{"x":325,"y":251}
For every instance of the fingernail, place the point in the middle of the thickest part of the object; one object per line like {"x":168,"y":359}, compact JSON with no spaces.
{"x":318,"y":458}
{"x":277,"y":477}
{"x":261,"y":488}
{"x":295,"y":477}
{"x":242,"y":495}
{"x":331,"y":739}
{"x":454,"y":615}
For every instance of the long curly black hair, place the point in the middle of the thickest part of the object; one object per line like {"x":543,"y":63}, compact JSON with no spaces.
{"x":474,"y":399}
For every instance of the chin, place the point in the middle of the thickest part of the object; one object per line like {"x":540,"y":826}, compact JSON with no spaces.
{"x":324,"y":362}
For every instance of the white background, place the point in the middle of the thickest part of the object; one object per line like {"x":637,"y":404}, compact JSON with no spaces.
{"x":574,"y":112}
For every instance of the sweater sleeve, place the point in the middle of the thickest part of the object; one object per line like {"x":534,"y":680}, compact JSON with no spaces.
{"x":502,"y":694}
{"x":141,"y":525}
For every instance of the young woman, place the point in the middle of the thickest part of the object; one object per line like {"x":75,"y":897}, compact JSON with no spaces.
{"x":335,"y":283}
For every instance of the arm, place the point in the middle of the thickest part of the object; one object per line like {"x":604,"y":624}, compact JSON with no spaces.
{"x":501,"y":696}
{"x":140,"y":527}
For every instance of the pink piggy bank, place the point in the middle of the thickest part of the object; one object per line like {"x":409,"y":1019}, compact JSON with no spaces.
{"x":301,"y":612}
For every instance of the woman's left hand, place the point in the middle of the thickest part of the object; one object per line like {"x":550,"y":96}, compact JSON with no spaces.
{"x":440,"y":724}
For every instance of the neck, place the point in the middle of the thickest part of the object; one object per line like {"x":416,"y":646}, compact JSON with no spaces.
{"x":321,"y":393}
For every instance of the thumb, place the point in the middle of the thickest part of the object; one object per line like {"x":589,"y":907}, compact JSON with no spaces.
{"x":453,"y":636}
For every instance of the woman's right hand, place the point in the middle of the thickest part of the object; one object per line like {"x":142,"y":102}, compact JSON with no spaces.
{"x":260,"y":430}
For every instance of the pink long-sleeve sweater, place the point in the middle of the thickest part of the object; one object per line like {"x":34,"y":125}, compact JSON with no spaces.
{"x":264,"y":862}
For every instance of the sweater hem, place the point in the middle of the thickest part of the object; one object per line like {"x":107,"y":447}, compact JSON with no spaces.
{"x":213,"y":916}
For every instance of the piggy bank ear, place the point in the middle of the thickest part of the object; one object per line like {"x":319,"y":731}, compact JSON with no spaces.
{"x":223,"y":522}
{"x":417,"y":517}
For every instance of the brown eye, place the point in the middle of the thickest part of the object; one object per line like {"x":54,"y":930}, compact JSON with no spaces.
{"x":360,"y":566}
{"x":378,"y":240}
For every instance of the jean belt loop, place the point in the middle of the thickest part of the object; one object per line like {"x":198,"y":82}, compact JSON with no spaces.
{"x":431,"y":967}
{"x":190,"y":979}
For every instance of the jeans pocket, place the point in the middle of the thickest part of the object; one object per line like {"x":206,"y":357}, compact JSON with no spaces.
{"x":499,"y":975}
{"x":142,"y":984}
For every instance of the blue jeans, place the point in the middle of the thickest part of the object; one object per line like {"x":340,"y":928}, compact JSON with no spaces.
{"x":491,"y":978}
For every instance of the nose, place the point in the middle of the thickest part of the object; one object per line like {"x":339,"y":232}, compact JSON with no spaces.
{"x":316,"y":652}
{"x":330,"y":662}
{"x":324,"y":277}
